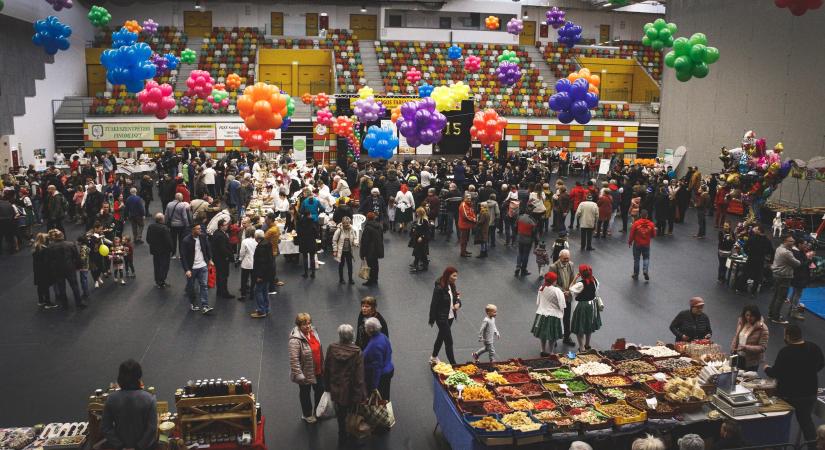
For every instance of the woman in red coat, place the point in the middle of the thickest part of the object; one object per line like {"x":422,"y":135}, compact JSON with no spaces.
{"x":605,"y":203}
{"x":466,"y":222}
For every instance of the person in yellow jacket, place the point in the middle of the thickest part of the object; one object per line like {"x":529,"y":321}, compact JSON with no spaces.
{"x":273,"y":236}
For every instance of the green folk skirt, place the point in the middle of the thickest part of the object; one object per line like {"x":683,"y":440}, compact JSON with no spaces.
{"x":586,"y":318}
{"x":547,"y":328}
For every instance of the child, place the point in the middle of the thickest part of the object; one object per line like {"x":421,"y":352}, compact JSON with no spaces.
{"x":777,"y":225}
{"x":235,"y":240}
{"x":488,"y":333}
{"x":84,"y":268}
{"x":129,"y":257}
{"x":558,"y":245}
{"x":542,"y":258}
{"x":391,"y":213}
{"x":116,"y":257}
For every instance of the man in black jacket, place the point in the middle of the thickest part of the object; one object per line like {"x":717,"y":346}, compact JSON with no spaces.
{"x":64,"y":260}
{"x":196,"y":257}
{"x":54,"y":208}
{"x":263,"y":270}
{"x":166,"y":191}
{"x":92,"y":205}
{"x":372,"y":247}
{"x":222,"y":256}
{"x":161,"y":246}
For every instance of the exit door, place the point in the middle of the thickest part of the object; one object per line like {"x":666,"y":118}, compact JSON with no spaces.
{"x":528,"y":35}
{"x":197,"y":23}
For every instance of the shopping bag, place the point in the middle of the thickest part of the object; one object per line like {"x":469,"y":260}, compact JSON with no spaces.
{"x":364,"y":271}
{"x":325,"y":409}
{"x":378,"y":412}
{"x":599,"y":303}
{"x":356,"y":424}
{"x":211,"y":277}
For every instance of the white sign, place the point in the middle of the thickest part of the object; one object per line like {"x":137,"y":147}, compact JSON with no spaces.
{"x":604,"y":166}
{"x":299,"y":148}
{"x":228,"y":130}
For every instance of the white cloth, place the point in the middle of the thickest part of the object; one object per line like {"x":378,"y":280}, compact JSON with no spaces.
{"x":550,"y":302}
{"x":199,"y":262}
{"x":451,"y":315}
{"x":209,"y":175}
{"x":247,"y":253}
{"x":404,"y":201}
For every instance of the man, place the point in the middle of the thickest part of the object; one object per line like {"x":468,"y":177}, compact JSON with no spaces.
{"x":526,"y":232}
{"x":179,"y":218}
{"x":196,"y":256}
{"x":64,"y":260}
{"x":757,"y":248}
{"x":702,"y":204}
{"x":466,"y":222}
{"x":692,"y":324}
{"x":561,"y":206}
{"x":161,"y":247}
{"x":54,"y":209}
{"x":130,"y":414}
{"x":222,"y":255}
{"x":92,"y":204}
{"x":136,"y":210}
{"x":263,"y":271}
{"x":452,"y":202}
{"x":577,"y":195}
{"x":783,"y":267}
{"x":563,"y":268}
{"x":372,"y":247}
{"x":795,"y":371}
{"x":166,"y":191}
{"x":374,"y":204}
{"x":641,"y":232}
{"x":233,"y":188}
{"x":7,"y":227}
{"x":587,"y":215}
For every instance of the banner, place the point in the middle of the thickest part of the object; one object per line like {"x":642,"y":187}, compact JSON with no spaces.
{"x":388,"y":102}
{"x":190,"y":131}
{"x":456,"y":139}
{"x":299,"y":148}
{"x":120,"y":131}
{"x":228,"y":130}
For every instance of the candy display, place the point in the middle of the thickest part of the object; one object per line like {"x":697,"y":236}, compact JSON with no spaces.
{"x":588,"y":416}
{"x":530,"y":389}
{"x":687,"y":372}
{"x":579,"y":401}
{"x":659,"y":351}
{"x":592,"y":368}
{"x":543,"y":404}
{"x":495,"y":378}
{"x":507,"y":367}
{"x":577,"y":386}
{"x":496,"y":407}
{"x":509,"y":391}
{"x":621,"y":355}
{"x":541,"y":376}
{"x":469,"y":369}
{"x":614,"y":393}
{"x":488,"y":423}
{"x":563,"y":374}
{"x":459,"y":378}
{"x":519,"y":420}
{"x":517,"y":377}
{"x":555,"y":417}
{"x":609,"y":381}
{"x":633,"y":367}
{"x":476,"y":392}
{"x":622,"y":412}
{"x":521,"y":404}
{"x":443,"y":369}
{"x":656,"y":386}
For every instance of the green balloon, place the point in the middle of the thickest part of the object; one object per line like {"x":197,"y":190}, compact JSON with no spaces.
{"x":188,"y":56}
{"x":659,"y":23}
{"x":652,"y":33}
{"x":290,"y":106}
{"x":669,"y":42}
{"x":683,"y":76}
{"x":664,"y":33}
{"x":682,"y":64}
{"x":99,"y":16}
{"x":711,"y":55}
{"x":670,"y":58}
{"x":658,"y":45}
{"x":681,"y":46}
{"x":672,"y":27}
{"x":700,"y":70}
{"x":699,"y":38}
{"x":645,"y":40}
{"x":697,"y":53}
{"x":648,"y":25}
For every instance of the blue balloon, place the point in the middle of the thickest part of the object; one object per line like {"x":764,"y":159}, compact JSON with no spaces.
{"x":425,"y":90}
{"x":570,"y":34}
{"x":584,"y":117}
{"x":123,"y":38}
{"x":129,"y":65}
{"x":578,"y":108}
{"x":563,"y":85}
{"x":172,"y":61}
{"x":591,"y":99}
{"x":565,"y":117}
{"x":579,"y":89}
{"x":51,"y":34}
{"x":381,"y":142}
{"x":286,"y":123}
{"x":454,"y":52}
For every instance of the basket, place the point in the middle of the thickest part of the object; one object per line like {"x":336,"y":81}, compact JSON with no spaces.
{"x":518,"y":434}
{"x":629,"y":354}
{"x":468,"y":418}
{"x":607,"y":423}
{"x":639,"y":416}
{"x":554,"y":427}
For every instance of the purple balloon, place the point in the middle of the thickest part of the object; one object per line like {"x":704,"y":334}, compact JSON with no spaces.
{"x":584,"y":117}
{"x":565,"y":116}
{"x":570,"y":34}
{"x":508,"y":73}
{"x":578,"y":108}
{"x":591,"y":99}
{"x":185,"y":101}
{"x":579,"y":89}
{"x":57,"y":5}
{"x":150,"y":27}
{"x":515,"y":26}
{"x":161,"y":63}
{"x":423,"y":118}
{"x":555,"y":17}
{"x":560,"y":101}
{"x":420,"y":122}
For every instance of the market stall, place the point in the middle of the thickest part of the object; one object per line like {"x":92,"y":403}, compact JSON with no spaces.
{"x":600,"y":395}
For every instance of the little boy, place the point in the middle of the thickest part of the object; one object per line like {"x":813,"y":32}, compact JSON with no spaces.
{"x":488,"y":334}
{"x":129,"y":256}
{"x":558,"y":245}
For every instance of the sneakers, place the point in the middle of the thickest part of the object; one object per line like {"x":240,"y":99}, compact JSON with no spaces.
{"x":97,"y":284}
{"x":635,"y":276}
{"x":123,"y":282}
{"x":50,"y":306}
{"x":257,"y":315}
{"x":475,"y":357}
{"x":206,"y":309}
{"x":194,"y":308}
{"x":779,"y":320}
{"x":434,"y":360}
{"x":310,"y":419}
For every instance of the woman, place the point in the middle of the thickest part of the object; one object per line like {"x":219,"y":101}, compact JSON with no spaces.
{"x":305,"y":364}
{"x":378,"y":367}
{"x":369,"y":307}
{"x":605,"y":204}
{"x":344,"y":242}
{"x":751,"y":338}
{"x":281,"y":204}
{"x":482,"y":230}
{"x":420,"y":241}
{"x":306,"y":235}
{"x":536,"y":200}
{"x":146,"y":192}
{"x":444,"y":308}
{"x":635,"y":206}
{"x":404,"y":205}
{"x":344,"y":377}
{"x":586,"y":317}
{"x":547,"y":324}
{"x":725,"y":246}
{"x":42,"y":273}
{"x":247,"y":257}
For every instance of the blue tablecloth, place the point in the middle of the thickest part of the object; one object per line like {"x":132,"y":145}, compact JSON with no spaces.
{"x":451,"y":422}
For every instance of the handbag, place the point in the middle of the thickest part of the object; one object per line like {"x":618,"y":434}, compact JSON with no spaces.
{"x":364,"y":271}
{"x":211,"y":277}
{"x":356,"y":424}
{"x":325,"y":409}
{"x":599,"y":303}
{"x":378,"y":412}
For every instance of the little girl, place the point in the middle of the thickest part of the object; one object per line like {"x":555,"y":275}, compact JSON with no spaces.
{"x":542,"y":258}
{"x":391,"y":213}
{"x":128,"y":258}
{"x":116,"y":257}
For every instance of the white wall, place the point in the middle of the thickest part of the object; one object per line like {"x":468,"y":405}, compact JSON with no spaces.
{"x":65,"y":77}
{"x":623,"y":26}
{"x":768,"y":79}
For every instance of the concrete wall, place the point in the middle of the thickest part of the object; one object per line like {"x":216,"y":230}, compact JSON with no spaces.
{"x":768,"y":79}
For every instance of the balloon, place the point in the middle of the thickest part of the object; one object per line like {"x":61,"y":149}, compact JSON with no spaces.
{"x":218,"y":98}
{"x":286,"y":123}
{"x":103,"y":250}
{"x":51,"y":34}
{"x":659,"y":34}
{"x":233,"y":81}
{"x":367,"y":110}
{"x":492,"y":23}
{"x":515,"y":26}
{"x":573,"y":100}
{"x":150,"y":27}
{"x":420,"y":122}
{"x":472,"y":64}
{"x":570,"y":34}
{"x":365,"y":92}
{"x":199,"y":84}
{"x":321,"y":100}
{"x":555,"y":17}
{"x":263,"y":107}
{"x":508,"y":56}
{"x":256,"y":139}
{"x":711,"y":55}
{"x":99,"y":16}
{"x":128,"y":62}
{"x":691,"y":57}
{"x":488,"y":127}
{"x":454,"y":52}
{"x":133,"y":26}
{"x":172,"y":61}
{"x":343,"y":126}
{"x":57,"y":5}
{"x":380,"y":142}
{"x":324,"y":116}
{"x":413,"y":75}
{"x":156,"y":99}
{"x":395,"y":114}
{"x":425,"y":90}
{"x":188,"y":56}
{"x":508,"y":73}
{"x":161,"y":64}
{"x":306,"y":98}
{"x":185,"y":101}
{"x":798,"y":7}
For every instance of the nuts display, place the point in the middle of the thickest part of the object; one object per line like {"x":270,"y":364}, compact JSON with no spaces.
{"x":495,"y":378}
{"x":488,"y":424}
{"x":530,"y":389}
{"x":673,"y":363}
{"x":635,"y":367}
{"x":509,"y":391}
{"x":621,"y":355}
{"x":619,"y":410}
{"x":469,"y":369}
{"x":496,"y":407}
{"x":443,"y":369}
{"x":687,"y":372}
{"x":592,"y":368}
{"x":521,"y":404}
{"x":520,"y":421}
{"x":477,"y":393}
{"x":609,"y":381}
{"x":578,"y":401}
{"x":659,"y":351}
{"x":542,"y":363}
{"x":579,"y":359}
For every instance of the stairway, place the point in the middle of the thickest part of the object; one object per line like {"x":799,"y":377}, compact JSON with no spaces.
{"x":541,"y":64}
{"x":68,"y":136}
{"x":648,"y":146}
{"x":184,"y":69}
{"x":370,"y":61}
{"x":73,"y":109}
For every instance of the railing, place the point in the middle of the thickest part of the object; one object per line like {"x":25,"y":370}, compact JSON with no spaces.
{"x":69,"y":109}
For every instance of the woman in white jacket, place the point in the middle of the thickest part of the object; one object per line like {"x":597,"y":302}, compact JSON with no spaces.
{"x":345,"y":244}
{"x":246,"y":254}
{"x":547,"y":324}
{"x":405,"y":206}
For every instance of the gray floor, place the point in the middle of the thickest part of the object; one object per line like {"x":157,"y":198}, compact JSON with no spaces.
{"x":52,"y":360}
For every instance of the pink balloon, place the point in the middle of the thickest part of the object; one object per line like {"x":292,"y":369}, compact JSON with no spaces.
{"x":153,"y":100}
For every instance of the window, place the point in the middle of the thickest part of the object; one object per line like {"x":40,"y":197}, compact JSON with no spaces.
{"x":395,"y":21}
{"x":445,"y":22}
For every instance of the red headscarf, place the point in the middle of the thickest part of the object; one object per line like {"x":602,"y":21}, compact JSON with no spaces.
{"x":549,"y":279}
{"x":404,"y":188}
{"x":586,"y":273}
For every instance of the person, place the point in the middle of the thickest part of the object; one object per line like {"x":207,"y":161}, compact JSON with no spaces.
{"x":344,"y":378}
{"x":702,"y":204}
{"x":587,"y":214}
{"x":63,"y":259}
{"x":246,"y":257}
{"x":542,"y":257}
{"x":130,"y":416}
{"x":641,"y":233}
{"x":263,"y":269}
{"x":136,"y":211}
{"x":43,"y":276}
{"x":526,"y":231}
{"x":273,"y":235}
{"x":648,"y":443}
{"x":54,"y":209}
{"x":466,"y":221}
{"x":117,"y":258}
{"x":161,"y":247}
{"x":146,"y":192}
{"x":369,"y":306}
{"x":563,"y":268}
{"x":375,"y":204}
{"x":488,"y":333}
{"x":750,"y":341}
{"x":605,"y":205}
{"x":179,"y":218}
{"x":306,"y":236}
{"x":420,"y":241}
{"x":579,"y":445}
{"x":693,"y":323}
{"x":344,"y":242}
{"x":757,"y":248}
{"x":378,"y":367}
{"x":587,"y":316}
{"x":783,"y":267}
{"x":724,"y":249}
{"x":372,"y":247}
{"x":549,"y":313}
{"x":404,"y":205}
{"x":795,"y":370}
{"x":730,"y":436}
{"x":820,"y":437}
{"x":801,"y":278}
{"x":482,"y":230}
{"x":691,"y":442}
{"x":129,"y":257}
{"x":306,"y":364}
{"x":196,"y":256}
{"x":444,"y":306}
{"x":10,"y":216}
{"x":222,"y":256}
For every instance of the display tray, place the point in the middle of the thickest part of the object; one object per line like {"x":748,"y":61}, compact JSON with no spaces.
{"x":64,"y":443}
{"x":470,"y":419}
{"x":483,"y":408}
{"x":578,"y":414}
{"x":608,"y":381}
{"x":622,"y":413}
{"x":519,"y":434}
{"x":550,"y":362}
{"x":636,"y":366}
{"x":577,"y":385}
{"x":557,"y":421}
{"x":617,"y":356}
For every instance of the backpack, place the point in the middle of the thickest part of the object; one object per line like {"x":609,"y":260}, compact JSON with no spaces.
{"x":513,"y":208}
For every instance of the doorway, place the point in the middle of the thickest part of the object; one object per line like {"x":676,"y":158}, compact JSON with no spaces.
{"x":276,"y":23}
{"x":364,"y":26}
{"x":604,"y":34}
{"x":197,"y":23}
{"x":312,"y":24}
{"x":528,"y":35}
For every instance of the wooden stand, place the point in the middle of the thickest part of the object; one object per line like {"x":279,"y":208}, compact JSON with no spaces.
{"x":240,"y":413}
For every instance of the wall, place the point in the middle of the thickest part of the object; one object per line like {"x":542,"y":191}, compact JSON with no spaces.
{"x":595,"y":137}
{"x":768,"y":79}
{"x":65,"y":77}
{"x":623,"y":26}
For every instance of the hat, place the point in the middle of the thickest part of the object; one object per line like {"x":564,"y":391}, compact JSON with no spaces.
{"x":550,"y":277}
{"x":696,"y":301}
{"x":374,"y":191}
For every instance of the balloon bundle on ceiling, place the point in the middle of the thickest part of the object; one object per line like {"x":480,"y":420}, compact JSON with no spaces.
{"x":380,"y":142}
{"x":570,"y":34}
{"x":691,"y":57}
{"x":659,"y":34}
{"x":472,"y":64}
{"x":515,"y":26}
{"x":51,"y":34}
{"x":156,"y":99}
{"x":420,"y":123}
{"x":555,"y":17}
{"x":263,"y":108}
{"x":127,"y":62}
{"x":200,"y":84}
{"x":508,"y":70}
{"x":454,"y":52}
{"x":492,"y":23}
{"x":99,"y":16}
{"x":488,"y":127}
{"x":575,"y":96}
{"x":57,"y":5}
{"x":798,"y":7}
{"x":754,"y":170}
{"x":344,"y":127}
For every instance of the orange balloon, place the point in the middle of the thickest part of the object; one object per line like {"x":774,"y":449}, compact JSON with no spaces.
{"x":573,"y":77}
{"x":233,"y":81}
{"x":396,"y":113}
{"x":262,"y":107}
{"x":595,"y":80}
{"x":593,"y":89}
{"x":584,"y":72}
{"x":133,"y":26}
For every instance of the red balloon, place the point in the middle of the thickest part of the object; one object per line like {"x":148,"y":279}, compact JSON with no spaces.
{"x":488,"y":127}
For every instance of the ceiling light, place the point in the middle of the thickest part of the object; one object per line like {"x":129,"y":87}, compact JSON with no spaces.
{"x":363,"y":9}
{"x":323,"y":14}
{"x":525,"y":16}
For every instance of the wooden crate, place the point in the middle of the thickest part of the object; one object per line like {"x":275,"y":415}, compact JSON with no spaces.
{"x":193,"y":418}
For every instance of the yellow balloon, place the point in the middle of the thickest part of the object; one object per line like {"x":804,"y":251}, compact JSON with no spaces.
{"x":366,"y":92}
{"x":103,"y":250}
{"x":443,"y":98}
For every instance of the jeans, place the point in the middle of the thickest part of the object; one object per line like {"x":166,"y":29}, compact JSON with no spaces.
{"x":445,"y":336}
{"x":561,"y":225}
{"x":60,"y":289}
{"x":201,"y":277}
{"x":804,"y":407}
{"x":509,"y":230}
{"x":489,"y":349}
{"x":307,"y":405}
{"x":780,"y":293}
{"x":222,"y":277}
{"x":796,"y":294}
{"x":492,"y":236}
{"x":43,"y":294}
{"x":84,"y":281}
{"x":262,"y":297}
{"x":161,"y":265}
{"x":137,"y":228}
{"x":523,"y":256}
{"x":701,"y":214}
{"x":308,"y":261}
{"x":644,"y":253}
{"x":346,"y":258}
{"x":587,"y":239}
{"x":246,"y":275}
{"x":384,"y":385}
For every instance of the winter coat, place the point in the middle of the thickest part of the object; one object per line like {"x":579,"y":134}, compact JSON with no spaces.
{"x":306,"y":235}
{"x":495,"y":212}
{"x":802,"y":273}
{"x":466,"y":216}
{"x":178,"y":214}
{"x":661,"y":207}
{"x":605,"y":204}
{"x":187,"y":251}
{"x":372,"y":241}
{"x":420,"y":230}
{"x":440,"y":303}
{"x":338,"y":241}
{"x":344,"y":374}
{"x":221,"y":249}
{"x":641,"y":232}
{"x":135,"y":207}
{"x":483,"y":228}
{"x":43,"y":275}
{"x":587,"y":214}
{"x":263,"y":263}
{"x":247,"y":252}
{"x":63,"y":259}
{"x":755,"y":345}
{"x":301,"y":364}
{"x":361,"y":337}
{"x":377,"y":360}
{"x":784,"y":263}
{"x":159,"y":239}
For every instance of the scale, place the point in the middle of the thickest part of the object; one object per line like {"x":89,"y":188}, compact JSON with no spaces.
{"x":733,"y":399}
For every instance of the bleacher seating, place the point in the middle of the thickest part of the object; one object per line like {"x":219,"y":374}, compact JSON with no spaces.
{"x":562,"y":60}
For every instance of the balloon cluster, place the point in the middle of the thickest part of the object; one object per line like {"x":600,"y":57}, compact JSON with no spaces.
{"x":150,"y":27}
{"x":366,"y":92}
{"x":753,"y":170}
{"x":324,"y":116}
{"x":492,"y":23}
{"x":367,"y":109}
{"x":395,"y":113}
{"x":51,"y":34}
{"x":219,"y":98}
{"x":659,"y":34}
{"x":573,"y":100}
{"x":488,"y":127}
{"x":454,"y":52}
{"x":57,"y":5}
{"x":555,"y":17}
{"x":508,"y":73}
{"x":188,"y":56}
{"x":306,"y":98}
{"x":286,"y":123}
{"x":472,"y":64}
{"x":186,"y":102}
{"x":798,"y":7}
{"x":156,"y":99}
{"x":421,"y":123}
{"x":425,"y":90}
{"x":263,"y":108}
{"x":413,"y":75}
{"x":99,"y":16}
{"x":354,"y":143}
{"x":164,"y":63}
{"x":233,"y":81}
{"x":508,"y":56}
{"x":200,"y":84}
{"x":570,"y":34}
{"x":515,"y":26}
{"x":343,"y":126}
{"x":256,"y":139}
{"x":321,"y":100}
{"x":691,"y":57}
{"x":448,"y":98}
{"x":127,"y":62}
{"x":380,"y":142}
{"x":133,"y":26}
